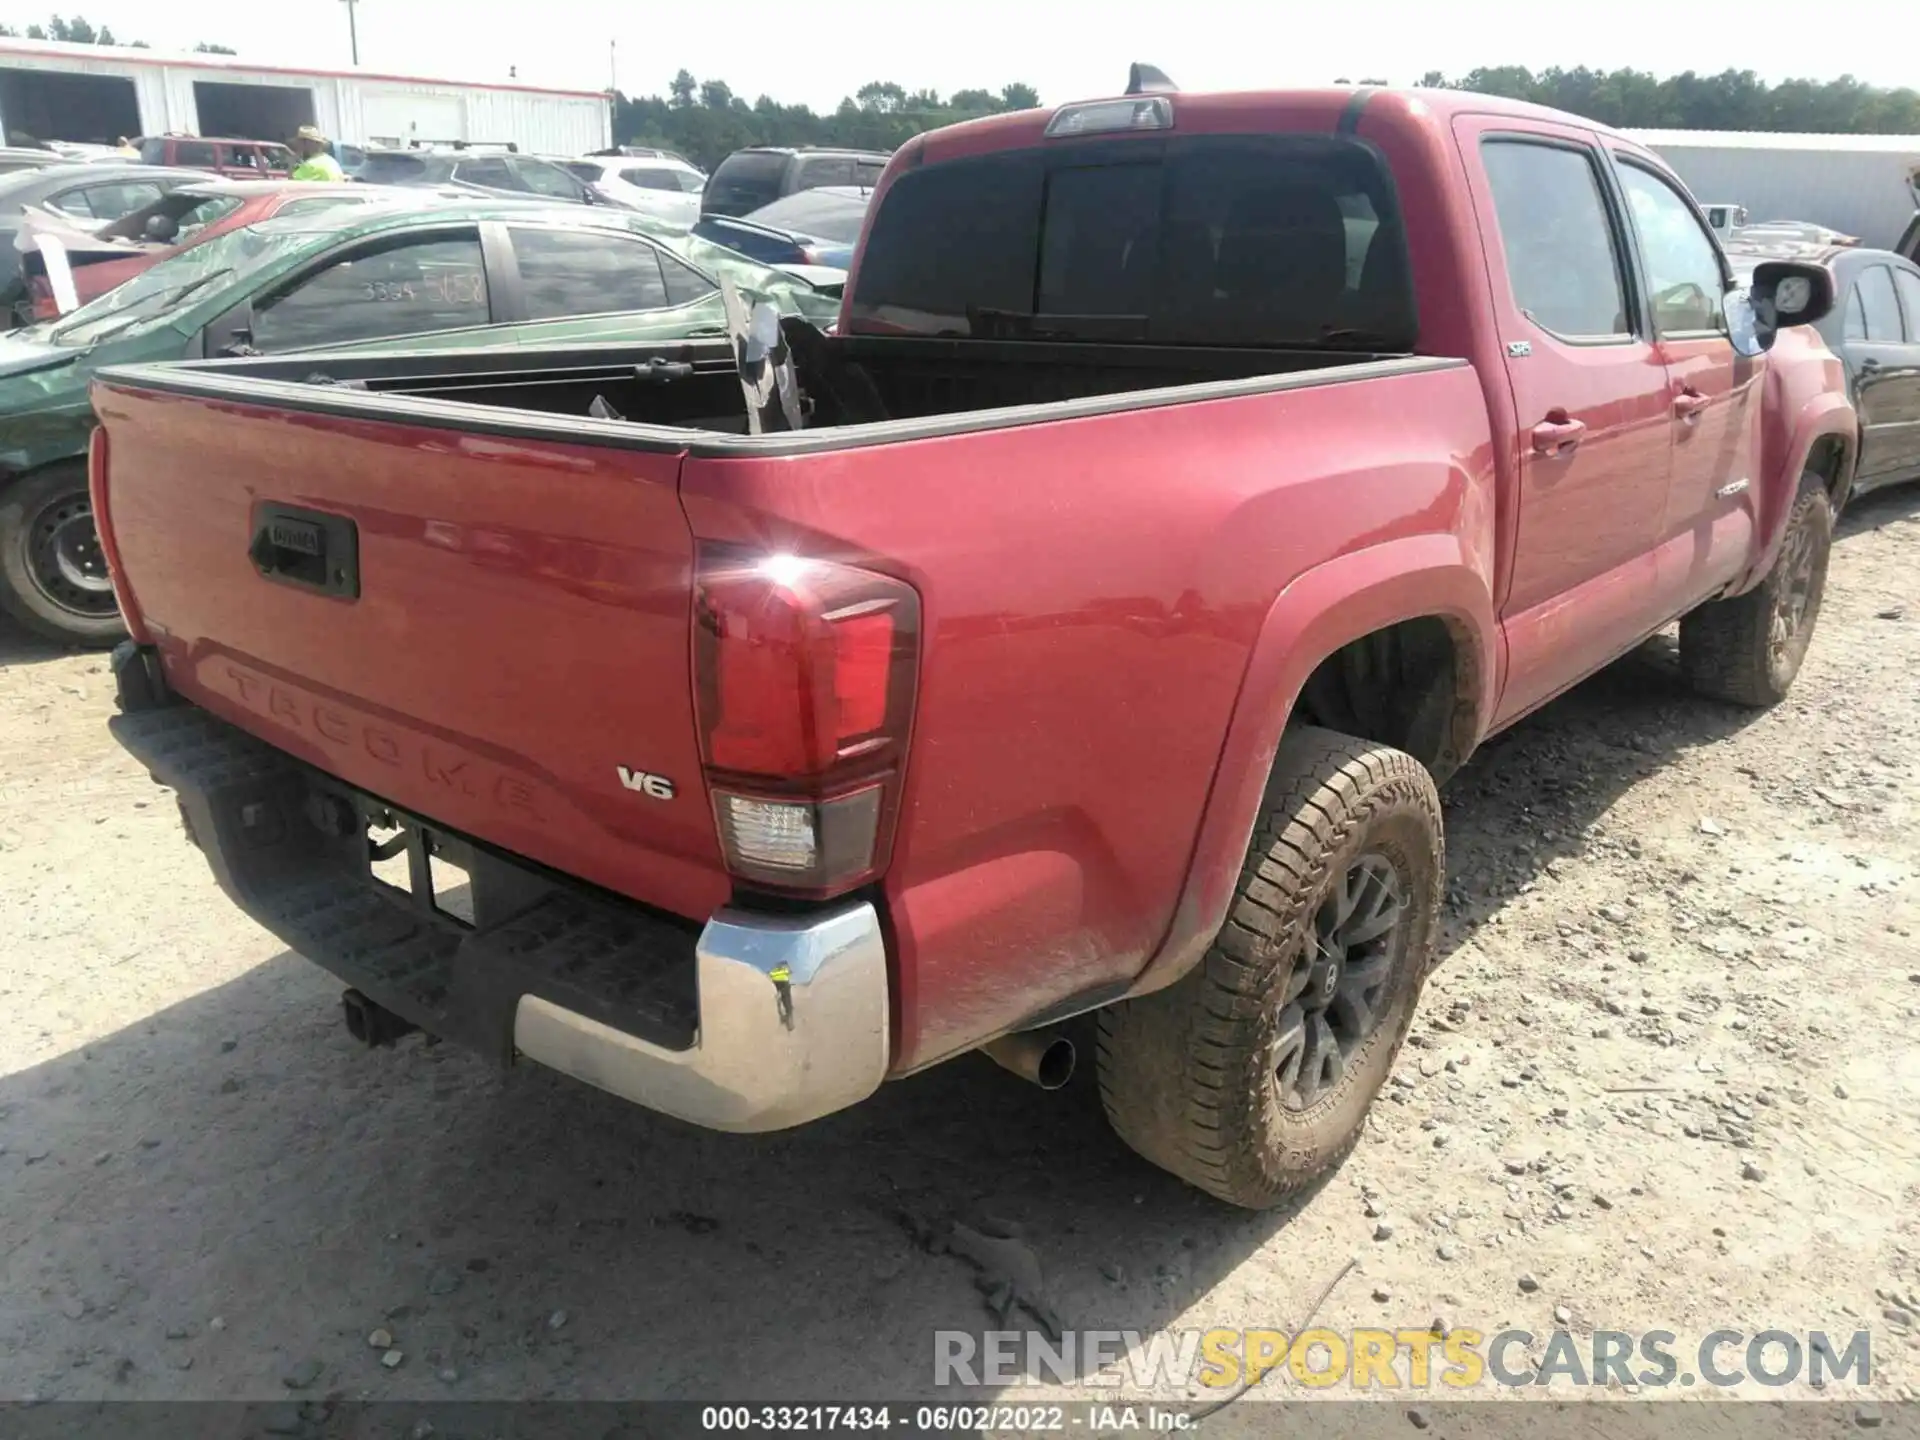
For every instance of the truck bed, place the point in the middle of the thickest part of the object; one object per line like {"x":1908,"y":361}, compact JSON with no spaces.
{"x":656,"y":389}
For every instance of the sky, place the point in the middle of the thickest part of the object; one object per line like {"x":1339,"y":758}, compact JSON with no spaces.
{"x":816,"y":51}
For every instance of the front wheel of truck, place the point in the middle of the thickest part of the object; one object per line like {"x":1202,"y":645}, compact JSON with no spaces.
{"x":1251,"y":1076}
{"x":1747,"y":650}
{"x":53,"y":573}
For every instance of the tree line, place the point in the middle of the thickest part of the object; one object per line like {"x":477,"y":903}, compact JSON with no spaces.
{"x":1730,"y":100}
{"x":80,"y":31}
{"x":705,"y":121}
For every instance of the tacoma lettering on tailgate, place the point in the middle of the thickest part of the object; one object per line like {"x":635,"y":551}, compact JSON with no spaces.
{"x":398,"y":747}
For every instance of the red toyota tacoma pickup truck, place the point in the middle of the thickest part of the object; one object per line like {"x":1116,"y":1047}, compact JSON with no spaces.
{"x":1190,"y":483}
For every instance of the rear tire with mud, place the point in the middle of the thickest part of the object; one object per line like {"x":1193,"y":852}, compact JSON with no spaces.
{"x":1747,"y":650}
{"x":1251,"y":1076}
{"x":53,"y":573}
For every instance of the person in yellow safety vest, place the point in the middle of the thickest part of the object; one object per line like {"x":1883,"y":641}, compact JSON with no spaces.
{"x":315,"y":163}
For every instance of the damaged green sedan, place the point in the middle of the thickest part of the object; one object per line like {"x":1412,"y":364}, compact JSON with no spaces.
{"x":391,"y":276}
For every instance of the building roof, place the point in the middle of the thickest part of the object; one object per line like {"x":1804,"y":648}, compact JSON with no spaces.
{"x":1771,"y":140}
{"x":178,"y":60}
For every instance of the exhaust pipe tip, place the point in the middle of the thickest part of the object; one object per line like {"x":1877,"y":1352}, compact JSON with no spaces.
{"x":1041,"y":1057}
{"x":371,"y":1023}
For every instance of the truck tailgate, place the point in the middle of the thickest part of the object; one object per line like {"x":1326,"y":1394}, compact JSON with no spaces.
{"x":518,"y":649}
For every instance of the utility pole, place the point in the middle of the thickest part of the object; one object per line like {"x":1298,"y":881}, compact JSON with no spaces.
{"x":353,"y":30}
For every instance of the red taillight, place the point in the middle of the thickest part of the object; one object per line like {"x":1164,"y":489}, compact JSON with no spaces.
{"x":804,"y":676}
{"x":103,"y":527}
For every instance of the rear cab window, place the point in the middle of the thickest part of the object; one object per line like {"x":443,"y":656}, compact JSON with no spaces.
{"x":1276,"y":241}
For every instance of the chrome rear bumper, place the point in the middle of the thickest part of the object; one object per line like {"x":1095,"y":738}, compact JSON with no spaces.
{"x":793,"y":1026}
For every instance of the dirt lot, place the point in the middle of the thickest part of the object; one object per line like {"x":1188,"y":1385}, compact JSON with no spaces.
{"x":1666,"y":1069}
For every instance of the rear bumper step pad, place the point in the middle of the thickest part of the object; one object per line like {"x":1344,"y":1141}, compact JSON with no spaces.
{"x":752,"y":1022}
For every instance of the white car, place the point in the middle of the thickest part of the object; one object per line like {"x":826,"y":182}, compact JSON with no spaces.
{"x":665,"y":188}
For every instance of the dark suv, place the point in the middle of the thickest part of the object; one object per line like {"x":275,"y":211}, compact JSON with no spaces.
{"x":748,"y":179}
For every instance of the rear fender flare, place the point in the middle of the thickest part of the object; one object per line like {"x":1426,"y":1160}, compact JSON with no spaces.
{"x":1320,"y":611}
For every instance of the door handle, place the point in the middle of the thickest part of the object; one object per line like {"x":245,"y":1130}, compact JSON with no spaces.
{"x":1689,"y":403}
{"x":1556,"y":437}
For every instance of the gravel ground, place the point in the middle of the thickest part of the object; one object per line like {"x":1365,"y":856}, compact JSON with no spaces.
{"x":1664,"y":1077}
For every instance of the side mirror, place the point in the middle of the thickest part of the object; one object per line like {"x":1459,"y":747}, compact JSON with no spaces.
{"x":1783,"y":293}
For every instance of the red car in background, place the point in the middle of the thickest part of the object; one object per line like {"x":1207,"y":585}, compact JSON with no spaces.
{"x":240,"y":159}
{"x":103,"y":259}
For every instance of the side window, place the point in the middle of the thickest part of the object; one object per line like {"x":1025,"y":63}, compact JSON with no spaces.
{"x":1875,"y":289}
{"x":584,"y":272}
{"x":1559,"y":244}
{"x":684,"y":283}
{"x":819,"y":170}
{"x":1856,"y":315}
{"x":1908,"y":284}
{"x":1684,"y":278}
{"x":867,"y":172}
{"x":547,"y":180}
{"x":110,"y":202}
{"x":408,"y":289}
{"x":195,"y":154}
{"x":153,"y":152}
{"x":494,"y":174}
{"x":240,"y":157}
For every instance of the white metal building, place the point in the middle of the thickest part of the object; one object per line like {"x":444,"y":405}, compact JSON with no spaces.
{"x":98,"y":93}
{"x":1865,"y":185}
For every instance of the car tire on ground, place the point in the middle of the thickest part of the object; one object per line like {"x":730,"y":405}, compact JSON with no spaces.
{"x":53,"y":577}
{"x":1251,"y":1076}
{"x":1747,"y":650}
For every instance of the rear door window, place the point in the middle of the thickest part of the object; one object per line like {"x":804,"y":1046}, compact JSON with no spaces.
{"x":1225,"y":240}
{"x":684,"y":283}
{"x":412,"y":288}
{"x":564,"y":273}
{"x":195,"y":154}
{"x":1562,"y":260}
{"x":545,"y":179}
{"x":651,"y":177}
{"x":493,"y":174}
